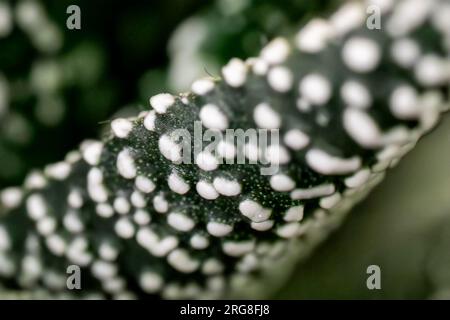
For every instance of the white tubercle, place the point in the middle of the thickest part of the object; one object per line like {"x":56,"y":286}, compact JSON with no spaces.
{"x":404,"y":103}
{"x":405,"y":52}
{"x":227,"y":187}
{"x":289,"y":230}
{"x":11,"y":197}
{"x":235,"y":73}
{"x":296,"y":139}
{"x":160,"y":204}
{"x":212,"y":266}
{"x":218,"y":229}
{"x":72,"y":222}
{"x":177,"y":184}
{"x":276,"y":51}
{"x":206,"y":161}
{"x":330,"y":201}
{"x":356,"y":95}
{"x":144,"y":184}
{"x":199,"y":242}
{"x":202,"y":86}
{"x":206,"y":190}
{"x":58,"y":246}
{"x":259,"y":66}
{"x":46,"y":226}
{"x":265,"y":117}
{"x":95,"y":187}
{"x":150,"y":282}
{"x":254,"y":211}
{"x":407,"y":16}
{"x":277,"y":154}
{"x":35,"y":180}
{"x":161,"y":102}
{"x":432,"y":70}
{"x":103,"y":270}
{"x":316,"y":89}
{"x":262,"y":226}
{"x":213,"y":118}
{"x":313,"y":192}
{"x":180,"y":260}
{"x":226,"y":150}
{"x":138,"y":199}
{"x":169,"y":149}
{"x":159,"y":247}
{"x":91,"y":152}
{"x":180,"y":222}
{"x":294,"y":214}
{"x":361,"y":54}
{"x":238,"y":248}
{"x":142,"y":217}
{"x":325,"y":163}
{"x":149,"y":121}
{"x":72,"y":157}
{"x":358,"y":179}
{"x":313,"y":37}
{"x":58,"y":171}
{"x":125,"y":164}
{"x":36,"y":207}
{"x":362,"y":128}
{"x":124,"y":228}
{"x":121,"y":205}
{"x":349,"y":16}
{"x":75,"y":199}
{"x":121,"y":127}
{"x":280,"y":79}
{"x":104,"y":210}
{"x":282,"y":183}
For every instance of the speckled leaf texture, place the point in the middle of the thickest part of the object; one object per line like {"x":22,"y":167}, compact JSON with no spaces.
{"x":348,"y":101}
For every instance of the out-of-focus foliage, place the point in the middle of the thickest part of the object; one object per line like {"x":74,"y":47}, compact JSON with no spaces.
{"x":57,"y":85}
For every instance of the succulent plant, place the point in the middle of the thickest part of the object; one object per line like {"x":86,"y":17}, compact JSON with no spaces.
{"x":347,"y":102}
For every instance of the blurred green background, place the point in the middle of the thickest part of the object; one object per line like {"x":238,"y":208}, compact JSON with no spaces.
{"x":403,"y":227}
